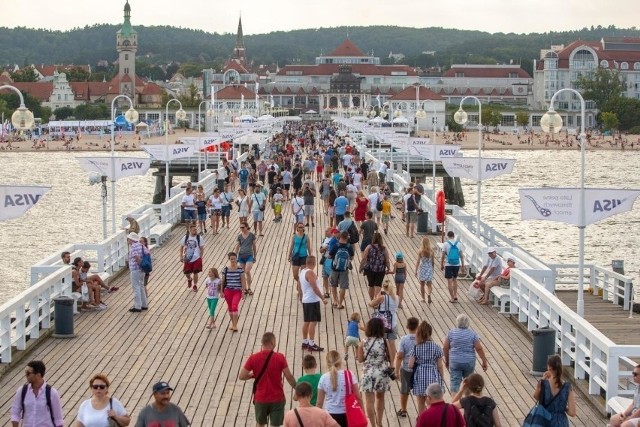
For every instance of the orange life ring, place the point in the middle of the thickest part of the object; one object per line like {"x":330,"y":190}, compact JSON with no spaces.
{"x":440,"y":202}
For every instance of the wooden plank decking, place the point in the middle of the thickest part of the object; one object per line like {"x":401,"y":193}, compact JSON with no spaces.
{"x":170,"y":342}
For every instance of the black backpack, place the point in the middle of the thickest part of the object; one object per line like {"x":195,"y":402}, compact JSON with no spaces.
{"x":47,"y":394}
{"x":354,"y":236}
{"x":480,"y":414}
{"x":411,"y":204}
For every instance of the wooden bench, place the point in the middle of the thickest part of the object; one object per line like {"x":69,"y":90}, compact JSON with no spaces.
{"x":159,"y":232}
{"x":501,"y":297}
{"x":618,"y":404}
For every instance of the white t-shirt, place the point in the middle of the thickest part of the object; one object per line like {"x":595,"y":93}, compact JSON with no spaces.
{"x":257,"y":200}
{"x":445,"y":249}
{"x":496,"y":264}
{"x":213,"y":288}
{"x":334,"y":400}
{"x":216,"y":202}
{"x":90,"y":417}
{"x":357,"y":179}
{"x":297,"y":204}
{"x":383,"y":169}
{"x":226,"y":198}
{"x":189,"y":202}
{"x":222,"y":173}
{"x":346,"y":160}
{"x":278,"y":197}
{"x":192,"y":252}
{"x":373,"y":201}
{"x":308,"y":296}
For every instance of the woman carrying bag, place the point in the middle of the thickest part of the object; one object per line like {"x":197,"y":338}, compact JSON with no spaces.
{"x":299,"y":250}
{"x":338,"y":387}
{"x":101,"y":410}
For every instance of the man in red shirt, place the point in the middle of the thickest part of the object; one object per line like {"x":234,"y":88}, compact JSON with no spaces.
{"x":266,"y":368}
{"x":438,"y":412}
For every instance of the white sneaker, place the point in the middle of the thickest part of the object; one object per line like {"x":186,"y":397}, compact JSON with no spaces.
{"x":102,"y":306}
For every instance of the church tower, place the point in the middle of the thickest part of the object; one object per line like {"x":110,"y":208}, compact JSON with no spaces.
{"x":239,"y":50}
{"x":127,"y":45}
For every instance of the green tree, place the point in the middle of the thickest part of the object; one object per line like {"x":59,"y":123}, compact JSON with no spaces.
{"x":491,"y":117}
{"x":452,"y":125}
{"x":63,"y":113}
{"x":522,"y":118}
{"x":190,"y":70}
{"x":27,"y":74}
{"x":609,"y":120}
{"x":192,"y":98}
{"x":45,"y":114}
{"x":627,"y":110}
{"x":77,"y":74}
{"x":91,"y":112}
{"x":602,"y":87}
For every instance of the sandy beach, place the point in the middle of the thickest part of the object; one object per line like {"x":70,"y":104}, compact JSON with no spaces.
{"x":468,"y":140}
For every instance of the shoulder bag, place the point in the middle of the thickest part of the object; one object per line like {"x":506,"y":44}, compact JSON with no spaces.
{"x":385,"y":316}
{"x":295,"y":411}
{"x":112,"y":421}
{"x":295,"y":256}
{"x":539,"y":416}
{"x":353,"y":411}
{"x":257,"y":379}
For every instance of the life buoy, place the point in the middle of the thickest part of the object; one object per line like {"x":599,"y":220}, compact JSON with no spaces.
{"x":440,"y":202}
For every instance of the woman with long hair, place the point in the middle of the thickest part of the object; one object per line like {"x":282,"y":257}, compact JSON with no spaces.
{"x":375,"y":263}
{"x":362,"y":206}
{"x":330,"y":209}
{"x":243,"y":205}
{"x":325,"y":189}
{"x":424,"y":267}
{"x":332,"y":388}
{"x":426,"y":360}
{"x":374,"y":355}
{"x":387,"y":301}
{"x":556,"y":395}
{"x":299,"y":250}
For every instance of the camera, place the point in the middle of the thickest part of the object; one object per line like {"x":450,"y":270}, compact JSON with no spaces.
{"x":391,"y":373}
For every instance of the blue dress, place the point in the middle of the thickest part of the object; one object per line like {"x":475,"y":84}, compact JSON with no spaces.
{"x":426,"y":359}
{"x":558,"y":405}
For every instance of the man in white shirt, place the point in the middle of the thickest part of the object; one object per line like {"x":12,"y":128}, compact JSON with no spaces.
{"x":374,"y":197}
{"x":382,"y":171}
{"x":189,"y":206}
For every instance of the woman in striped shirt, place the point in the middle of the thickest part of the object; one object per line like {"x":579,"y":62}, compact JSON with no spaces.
{"x":233,"y":285}
{"x":460,"y":349}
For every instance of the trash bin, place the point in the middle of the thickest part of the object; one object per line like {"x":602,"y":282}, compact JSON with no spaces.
{"x":423,"y":223}
{"x":544,"y":345}
{"x":63,"y":313}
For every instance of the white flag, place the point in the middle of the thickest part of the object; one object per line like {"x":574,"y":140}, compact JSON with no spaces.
{"x":434,"y":152}
{"x":16,"y":200}
{"x":174,"y":151}
{"x":124,"y":166}
{"x":467,"y":167}
{"x":563,"y":204}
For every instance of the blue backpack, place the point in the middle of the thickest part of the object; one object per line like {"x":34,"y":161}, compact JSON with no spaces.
{"x":453,"y":254}
{"x":341,"y":259}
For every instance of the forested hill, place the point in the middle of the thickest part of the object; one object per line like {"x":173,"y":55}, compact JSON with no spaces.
{"x":163,"y":44}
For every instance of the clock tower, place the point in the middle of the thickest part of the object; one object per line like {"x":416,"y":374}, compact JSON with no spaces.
{"x":127,"y":45}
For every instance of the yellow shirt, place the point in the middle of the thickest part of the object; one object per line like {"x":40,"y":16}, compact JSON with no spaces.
{"x":386,"y":207}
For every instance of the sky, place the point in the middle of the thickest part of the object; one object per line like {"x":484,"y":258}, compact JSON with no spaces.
{"x":264,"y":16}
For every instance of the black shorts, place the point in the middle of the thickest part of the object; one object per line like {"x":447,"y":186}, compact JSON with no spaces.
{"x":287,"y":186}
{"x":311,"y":312}
{"x":451,"y":271}
{"x":375,"y":279}
{"x":301,"y":261}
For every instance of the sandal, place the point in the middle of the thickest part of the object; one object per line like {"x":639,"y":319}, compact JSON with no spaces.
{"x":249,"y":292}
{"x":340,"y":307}
{"x":326,"y":294}
{"x":401,"y":413}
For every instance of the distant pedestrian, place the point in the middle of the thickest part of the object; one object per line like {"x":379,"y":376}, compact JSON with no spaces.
{"x":424,"y":268}
{"x":136,"y":274}
{"x":101,"y":408}
{"x":233,"y":287}
{"x":426,"y":360}
{"x":246,"y":251}
{"x":161,"y":412}
{"x":191,"y":253}
{"x":451,"y":261}
{"x":214,"y":286}
{"x":36,"y":403}
{"x":399,"y":276}
{"x":311,"y":297}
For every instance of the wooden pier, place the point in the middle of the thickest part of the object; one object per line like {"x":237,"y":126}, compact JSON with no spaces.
{"x":170,"y":342}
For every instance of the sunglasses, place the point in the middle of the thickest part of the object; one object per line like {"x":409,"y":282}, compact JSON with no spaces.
{"x":99,"y":386}
{"x":635,"y":374}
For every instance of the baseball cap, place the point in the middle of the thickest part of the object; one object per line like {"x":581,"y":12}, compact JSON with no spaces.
{"x":161,"y":386}
{"x":334,"y":230}
{"x":491,"y":249}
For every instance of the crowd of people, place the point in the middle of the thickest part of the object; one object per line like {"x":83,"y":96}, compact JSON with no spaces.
{"x":300,"y":165}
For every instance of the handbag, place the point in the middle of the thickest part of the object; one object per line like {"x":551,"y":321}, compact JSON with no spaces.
{"x":112,"y":421}
{"x":385,"y":316}
{"x":146,"y":264}
{"x":353,"y":412}
{"x":539,"y":416}
{"x":84,"y":289}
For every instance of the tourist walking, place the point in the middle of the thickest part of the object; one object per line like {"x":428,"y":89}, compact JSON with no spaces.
{"x":214,"y":287}
{"x":402,"y":370}
{"x":386,"y":304}
{"x":374,"y":262}
{"x":243,"y":205}
{"x":136,"y":275}
{"x":308,"y":196}
{"x":424,"y":268}
{"x":476,"y":406}
{"x":311,"y":297}
{"x":189,"y":206}
{"x":374,"y":355}
{"x":246,"y":251}
{"x":145,"y":250}
{"x":36,"y":403}
{"x":362,"y":207}
{"x":299,"y":249}
{"x":266,"y":369}
{"x":353,"y":333}
{"x":161,"y":411}
{"x":331,"y":210}
{"x":297,"y":208}
{"x":215,"y":210}
{"x":226,"y":206}
{"x":101,"y":408}
{"x":439,"y":412}
{"x":258,"y":204}
{"x":201,"y":211}
{"x":233,"y":286}
{"x":332,"y":388}
{"x":399,"y":273}
{"x":459,"y":348}
{"x":426,"y":360}
{"x":340,"y":255}
{"x":555,"y":395}
{"x":191,"y":253}
{"x":368,"y":228}
{"x":451,"y":261}
{"x":307,"y":414}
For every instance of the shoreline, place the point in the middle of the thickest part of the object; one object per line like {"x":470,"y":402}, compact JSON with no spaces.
{"x":469,"y":141}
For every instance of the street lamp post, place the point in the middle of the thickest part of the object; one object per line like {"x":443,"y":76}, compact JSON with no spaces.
{"x":552,"y":122}
{"x":433,"y":159}
{"x":461,"y":118}
{"x":130,"y":116}
{"x":180,"y":115}
{"x":420,"y":114}
{"x":199,"y":139}
{"x":22,"y":118}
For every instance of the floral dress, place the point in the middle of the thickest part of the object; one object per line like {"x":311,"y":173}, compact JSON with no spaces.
{"x":425,"y":269}
{"x":374,"y":379}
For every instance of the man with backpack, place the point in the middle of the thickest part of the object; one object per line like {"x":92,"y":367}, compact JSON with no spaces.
{"x":341,"y":256}
{"x":191,"y":252}
{"x":36,"y":402}
{"x":410,"y":212}
{"x":453,"y":251}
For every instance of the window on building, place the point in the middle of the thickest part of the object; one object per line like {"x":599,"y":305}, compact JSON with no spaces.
{"x":513,"y":75}
{"x":583,"y":59}
{"x":624,"y":66}
{"x":604,"y":64}
{"x":636,"y":66}
{"x":535,"y":120}
{"x":126,"y":56}
{"x":459,"y":75}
